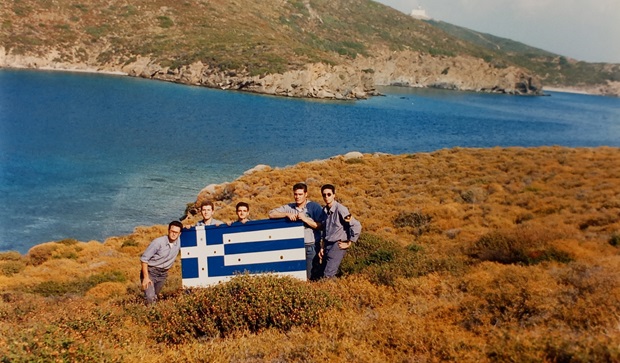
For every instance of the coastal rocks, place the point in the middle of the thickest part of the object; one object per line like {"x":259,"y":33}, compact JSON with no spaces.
{"x":353,"y":155}
{"x":351,"y":80}
{"x":413,"y":69}
{"x":260,"y":167}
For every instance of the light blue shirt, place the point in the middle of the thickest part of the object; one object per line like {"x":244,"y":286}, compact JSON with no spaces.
{"x":161,"y":253}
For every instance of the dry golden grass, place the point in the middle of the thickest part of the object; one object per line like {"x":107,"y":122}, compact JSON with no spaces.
{"x":469,"y":255}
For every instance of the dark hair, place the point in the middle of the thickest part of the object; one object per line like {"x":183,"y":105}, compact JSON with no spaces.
{"x":175,"y":223}
{"x":242,"y":204}
{"x":208,"y":202}
{"x":328,"y":186}
{"x":300,"y":186}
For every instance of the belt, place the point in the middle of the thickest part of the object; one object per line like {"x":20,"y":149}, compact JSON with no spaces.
{"x":158,"y":269}
{"x":333,"y":242}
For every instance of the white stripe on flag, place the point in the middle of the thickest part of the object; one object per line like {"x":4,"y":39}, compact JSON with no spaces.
{"x":264,"y":257}
{"x":262,"y":235}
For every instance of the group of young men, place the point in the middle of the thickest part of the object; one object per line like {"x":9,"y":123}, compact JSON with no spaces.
{"x":328,"y":232}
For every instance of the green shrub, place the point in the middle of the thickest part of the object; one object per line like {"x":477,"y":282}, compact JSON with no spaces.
{"x":68,"y":335}
{"x":10,"y":256}
{"x":51,"y":343}
{"x":553,"y":348}
{"x":41,"y":253}
{"x":10,"y":268}
{"x":252,"y":303}
{"x":367,"y":251}
{"x":78,"y":287}
{"x":417,"y":221}
{"x":521,"y":245}
{"x":129,"y":243}
{"x":165,"y":22}
{"x":383,"y":261}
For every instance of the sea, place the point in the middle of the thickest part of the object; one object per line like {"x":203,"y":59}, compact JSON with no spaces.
{"x":89,"y":156}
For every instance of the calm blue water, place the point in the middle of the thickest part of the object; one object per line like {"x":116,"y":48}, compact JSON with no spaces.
{"x":91,"y":156}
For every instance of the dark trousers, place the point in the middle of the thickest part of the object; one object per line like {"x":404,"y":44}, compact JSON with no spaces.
{"x":332,"y":257}
{"x":158,"y":278}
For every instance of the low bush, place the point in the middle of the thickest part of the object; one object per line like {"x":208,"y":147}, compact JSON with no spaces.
{"x":383,"y":261}
{"x":77,"y":287}
{"x":507,"y":296}
{"x":10,"y":268}
{"x":68,"y":241}
{"x":130,"y":242}
{"x":567,"y":347}
{"x":252,"y":303}
{"x":37,"y":255}
{"x":417,"y":221}
{"x":590,"y":296}
{"x":49,"y":343}
{"x":10,"y":256}
{"x":522,"y":245}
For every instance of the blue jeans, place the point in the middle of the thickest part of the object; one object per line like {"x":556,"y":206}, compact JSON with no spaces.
{"x":158,"y":278}
{"x":313,"y":267}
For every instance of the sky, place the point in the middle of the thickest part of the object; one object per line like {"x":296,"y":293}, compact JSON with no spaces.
{"x":584,"y":30}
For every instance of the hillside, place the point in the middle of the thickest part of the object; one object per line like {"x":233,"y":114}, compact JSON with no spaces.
{"x":325,"y":49}
{"x":468,"y":255}
{"x":553,"y":69}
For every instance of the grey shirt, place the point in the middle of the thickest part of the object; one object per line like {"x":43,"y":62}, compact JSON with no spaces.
{"x":337,"y":228}
{"x":161,"y":253}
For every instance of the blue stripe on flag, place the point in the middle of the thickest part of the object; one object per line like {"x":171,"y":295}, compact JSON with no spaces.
{"x":262,"y":246}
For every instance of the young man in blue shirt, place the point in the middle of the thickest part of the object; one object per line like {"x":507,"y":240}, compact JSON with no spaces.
{"x":311,"y":214}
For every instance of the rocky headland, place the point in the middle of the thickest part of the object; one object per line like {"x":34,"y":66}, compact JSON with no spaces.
{"x":353,"y":79}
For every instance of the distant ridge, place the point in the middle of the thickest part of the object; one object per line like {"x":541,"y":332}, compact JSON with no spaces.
{"x":297,"y":48}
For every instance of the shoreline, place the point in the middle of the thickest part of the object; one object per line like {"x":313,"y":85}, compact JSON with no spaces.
{"x":121,"y":73}
{"x":70,"y":70}
{"x":568,"y":90}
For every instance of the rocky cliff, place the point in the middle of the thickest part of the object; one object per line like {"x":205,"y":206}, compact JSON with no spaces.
{"x":353,"y":79}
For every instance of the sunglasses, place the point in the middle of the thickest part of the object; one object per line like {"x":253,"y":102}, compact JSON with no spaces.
{"x":327,"y":194}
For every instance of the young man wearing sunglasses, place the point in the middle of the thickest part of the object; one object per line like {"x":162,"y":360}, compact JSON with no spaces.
{"x":341,"y":230}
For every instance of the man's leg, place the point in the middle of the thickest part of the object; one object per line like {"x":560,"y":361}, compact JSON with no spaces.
{"x":310,"y":257}
{"x":149,"y":293}
{"x":158,"y":278}
{"x":333,"y":257}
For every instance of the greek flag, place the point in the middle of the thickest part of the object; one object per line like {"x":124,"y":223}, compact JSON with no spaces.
{"x":212,"y":254}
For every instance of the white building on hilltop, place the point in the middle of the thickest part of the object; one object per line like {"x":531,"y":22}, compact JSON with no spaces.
{"x":419,"y":13}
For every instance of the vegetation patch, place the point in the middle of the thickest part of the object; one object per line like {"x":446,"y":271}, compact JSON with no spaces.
{"x":522,"y":245}
{"x":245,"y":303}
{"x":383,"y":261}
{"x":76,"y":287}
{"x":415,"y":221}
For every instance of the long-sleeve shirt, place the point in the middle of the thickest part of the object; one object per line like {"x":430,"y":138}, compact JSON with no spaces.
{"x":340,"y":225}
{"x":161,"y":253}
